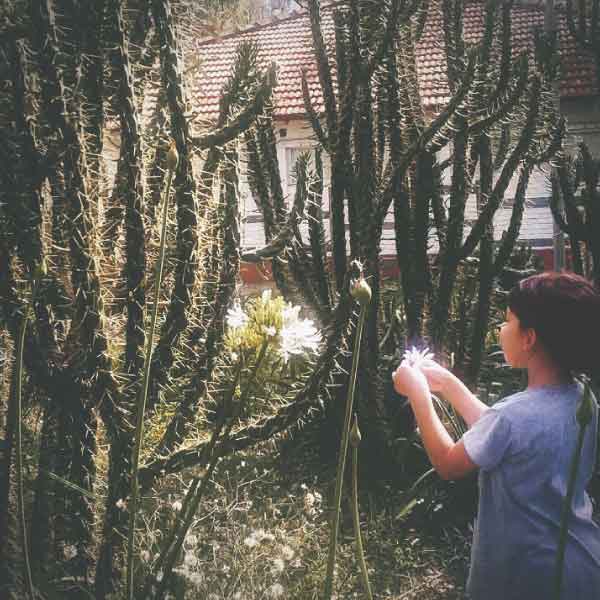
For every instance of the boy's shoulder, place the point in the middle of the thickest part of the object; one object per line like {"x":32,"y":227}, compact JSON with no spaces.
{"x":537,"y":404}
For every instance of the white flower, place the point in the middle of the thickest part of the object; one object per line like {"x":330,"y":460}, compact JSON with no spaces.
{"x":298,"y":336}
{"x":121,"y":504}
{"x":234,"y":356}
{"x":278,"y":566}
{"x":275,"y":591}
{"x":177,"y":506}
{"x":312,"y":501}
{"x":265,"y":296}
{"x":415,"y":357}
{"x":287,"y":552}
{"x":236,"y":317}
{"x":270,"y":331}
{"x":258,"y":536}
{"x":70,"y":552}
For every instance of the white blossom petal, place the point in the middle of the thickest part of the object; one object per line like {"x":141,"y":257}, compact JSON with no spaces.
{"x":236,"y":317}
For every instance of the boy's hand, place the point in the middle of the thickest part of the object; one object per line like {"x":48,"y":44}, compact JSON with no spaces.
{"x":436,"y":375}
{"x":409,"y":381}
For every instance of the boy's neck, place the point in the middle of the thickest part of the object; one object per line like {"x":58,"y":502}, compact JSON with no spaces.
{"x":542,"y":372}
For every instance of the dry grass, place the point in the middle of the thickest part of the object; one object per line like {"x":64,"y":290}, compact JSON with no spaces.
{"x":262,"y":533}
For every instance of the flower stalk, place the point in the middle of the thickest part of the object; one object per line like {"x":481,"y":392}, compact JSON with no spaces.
{"x":172,"y":161}
{"x":361,"y":292}
{"x":584,"y":416}
{"x":360,"y":554}
{"x":19,"y":431}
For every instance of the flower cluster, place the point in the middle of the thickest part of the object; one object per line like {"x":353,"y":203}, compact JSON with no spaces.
{"x":287,"y":331}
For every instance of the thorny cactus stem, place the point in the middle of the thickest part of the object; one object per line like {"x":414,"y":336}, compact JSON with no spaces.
{"x":172,"y":160}
{"x":362,"y":293}
{"x":19,"y":433}
{"x":585,"y":412}
{"x":360,"y":553}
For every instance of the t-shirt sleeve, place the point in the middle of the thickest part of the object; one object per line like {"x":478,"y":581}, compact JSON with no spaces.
{"x":488,"y":439}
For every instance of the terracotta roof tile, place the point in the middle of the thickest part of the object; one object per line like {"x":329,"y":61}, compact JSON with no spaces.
{"x":288,"y":43}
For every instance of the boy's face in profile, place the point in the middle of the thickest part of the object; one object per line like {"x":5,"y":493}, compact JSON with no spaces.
{"x":516,"y":341}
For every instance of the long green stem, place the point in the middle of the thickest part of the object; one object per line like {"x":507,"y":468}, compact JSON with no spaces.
{"x":360,"y":554}
{"x":141,"y":407}
{"x":19,"y":442}
{"x":342,"y":456}
{"x":566,"y":510}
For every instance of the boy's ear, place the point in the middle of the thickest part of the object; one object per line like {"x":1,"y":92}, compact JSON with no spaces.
{"x":530,"y":339}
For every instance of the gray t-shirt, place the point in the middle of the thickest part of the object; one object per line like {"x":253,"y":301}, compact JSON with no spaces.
{"x":524,"y":446}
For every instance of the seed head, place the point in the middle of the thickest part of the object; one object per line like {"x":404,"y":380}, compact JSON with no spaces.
{"x":361,"y":291}
{"x":172,"y":156}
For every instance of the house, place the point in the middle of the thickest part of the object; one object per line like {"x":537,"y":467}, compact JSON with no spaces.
{"x":288,"y":43}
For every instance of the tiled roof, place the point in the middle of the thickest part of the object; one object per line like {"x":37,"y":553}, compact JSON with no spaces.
{"x":289,"y":43}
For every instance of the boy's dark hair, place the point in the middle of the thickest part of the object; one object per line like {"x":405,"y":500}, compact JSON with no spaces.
{"x":564,"y":310}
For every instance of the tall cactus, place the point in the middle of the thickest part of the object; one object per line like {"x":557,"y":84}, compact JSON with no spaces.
{"x":83,"y":358}
{"x":575,"y":182}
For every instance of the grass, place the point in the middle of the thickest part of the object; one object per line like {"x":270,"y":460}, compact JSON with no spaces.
{"x":262,"y":533}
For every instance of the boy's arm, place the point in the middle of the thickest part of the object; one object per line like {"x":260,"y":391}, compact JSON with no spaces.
{"x":439,"y":379}
{"x":448,"y":458}
{"x":463,"y":400}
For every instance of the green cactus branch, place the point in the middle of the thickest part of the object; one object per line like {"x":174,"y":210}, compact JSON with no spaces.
{"x":520,"y":149}
{"x":507,"y":103}
{"x":187,"y":237}
{"x":324,"y":71}
{"x":452,"y":12}
{"x":133,"y":192}
{"x":579,"y":217}
{"x":243,"y":120}
{"x":227,"y":279}
{"x":398,"y":171}
{"x":316,"y":233}
{"x":512,"y":233}
{"x":313,"y":117}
